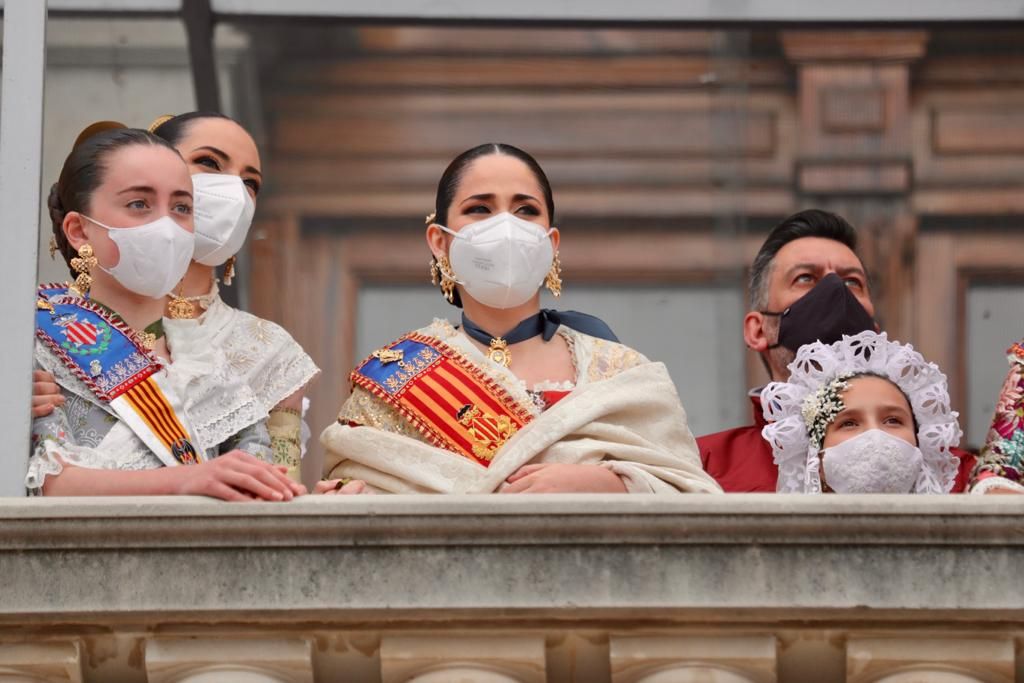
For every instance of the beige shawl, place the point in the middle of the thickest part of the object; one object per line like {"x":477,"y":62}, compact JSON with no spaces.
{"x":632,"y":423}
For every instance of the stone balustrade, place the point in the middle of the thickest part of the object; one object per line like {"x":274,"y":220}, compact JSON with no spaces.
{"x":516,"y":589}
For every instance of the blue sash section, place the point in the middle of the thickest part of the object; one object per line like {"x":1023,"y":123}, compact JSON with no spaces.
{"x":96,"y":346}
{"x":392,"y":376}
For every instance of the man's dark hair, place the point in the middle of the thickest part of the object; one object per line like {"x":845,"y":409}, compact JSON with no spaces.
{"x":808,"y":223}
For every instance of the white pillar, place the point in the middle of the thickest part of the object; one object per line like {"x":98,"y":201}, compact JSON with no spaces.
{"x":667,"y":658}
{"x":41,"y":663}
{"x":213,"y":660}
{"x":942,"y":659}
{"x":21,"y":158}
{"x":459,"y":658}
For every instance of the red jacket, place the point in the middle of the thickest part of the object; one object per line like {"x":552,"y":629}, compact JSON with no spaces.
{"x":740,"y":460}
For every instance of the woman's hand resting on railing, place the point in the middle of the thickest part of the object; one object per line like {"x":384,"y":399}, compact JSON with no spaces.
{"x":237,"y":476}
{"x":340,"y":487}
{"x":563,"y":478}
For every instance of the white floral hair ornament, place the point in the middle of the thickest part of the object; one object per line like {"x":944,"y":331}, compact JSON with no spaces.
{"x":806,"y":404}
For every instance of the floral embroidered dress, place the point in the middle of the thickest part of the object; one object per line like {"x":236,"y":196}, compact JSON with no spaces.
{"x":431,"y":413}
{"x":1001,"y":462}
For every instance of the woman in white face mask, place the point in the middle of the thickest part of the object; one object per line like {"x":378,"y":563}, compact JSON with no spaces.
{"x":862,"y":415}
{"x":230,"y":381}
{"x":514,"y":399}
{"x":122,"y":218}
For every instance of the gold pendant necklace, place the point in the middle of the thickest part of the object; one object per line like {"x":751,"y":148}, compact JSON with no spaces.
{"x":180,"y":308}
{"x":499,"y":352}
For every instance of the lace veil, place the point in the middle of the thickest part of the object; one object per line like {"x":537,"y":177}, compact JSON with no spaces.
{"x":816,"y":365}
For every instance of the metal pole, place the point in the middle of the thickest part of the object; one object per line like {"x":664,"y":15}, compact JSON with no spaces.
{"x":21,"y":158}
{"x":199,"y":28}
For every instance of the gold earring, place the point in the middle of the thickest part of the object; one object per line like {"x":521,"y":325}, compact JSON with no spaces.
{"x":83,"y":265}
{"x":229,"y":270}
{"x":441,"y":273}
{"x":553,"y":281}
{"x":434,"y":271}
{"x":53,"y":247}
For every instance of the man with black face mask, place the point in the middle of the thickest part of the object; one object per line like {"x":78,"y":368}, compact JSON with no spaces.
{"x":807,"y":283}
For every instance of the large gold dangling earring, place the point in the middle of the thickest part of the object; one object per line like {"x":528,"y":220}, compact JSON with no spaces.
{"x":553,"y":281}
{"x":441,"y":271}
{"x":229,"y":270}
{"x":83,"y":265}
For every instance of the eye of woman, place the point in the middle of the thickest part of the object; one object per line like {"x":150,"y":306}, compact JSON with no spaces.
{"x":895,"y":420}
{"x":183,"y":208}
{"x":477,"y":208}
{"x":847,"y":422}
{"x":528,"y":210}
{"x":207,"y":161}
{"x":137,"y":204}
{"x":252,"y":184}
{"x":854,"y":283}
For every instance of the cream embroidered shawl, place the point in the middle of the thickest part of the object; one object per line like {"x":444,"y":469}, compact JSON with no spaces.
{"x":624,"y":414}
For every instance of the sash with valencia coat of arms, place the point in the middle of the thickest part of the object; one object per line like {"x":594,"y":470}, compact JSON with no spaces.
{"x":107,"y":356}
{"x":447,"y":398}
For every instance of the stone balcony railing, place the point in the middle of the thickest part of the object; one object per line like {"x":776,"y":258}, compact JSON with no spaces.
{"x":588,"y":589}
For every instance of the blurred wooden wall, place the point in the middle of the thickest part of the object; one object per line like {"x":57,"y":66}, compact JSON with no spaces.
{"x":671,"y":153}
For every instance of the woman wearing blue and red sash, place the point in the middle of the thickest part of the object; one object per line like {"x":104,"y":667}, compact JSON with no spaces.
{"x":122,"y":218}
{"x":514,"y":399}
{"x":235,"y":370}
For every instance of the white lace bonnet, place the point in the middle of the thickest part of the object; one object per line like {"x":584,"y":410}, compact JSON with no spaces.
{"x":816,"y":373}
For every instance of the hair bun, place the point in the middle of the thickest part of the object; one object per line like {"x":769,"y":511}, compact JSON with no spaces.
{"x":94,"y":128}
{"x":159,"y":121}
{"x":54,"y":205}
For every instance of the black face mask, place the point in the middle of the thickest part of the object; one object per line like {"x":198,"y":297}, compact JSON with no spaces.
{"x":824,"y":314}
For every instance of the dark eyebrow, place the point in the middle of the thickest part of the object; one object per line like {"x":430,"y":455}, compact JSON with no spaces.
{"x":490,"y":197}
{"x":813,"y":267}
{"x":816,"y":268}
{"x":182,"y":193}
{"x":138,"y":188}
{"x":218,"y":152}
{"x":227,"y":159}
{"x":852,"y":270}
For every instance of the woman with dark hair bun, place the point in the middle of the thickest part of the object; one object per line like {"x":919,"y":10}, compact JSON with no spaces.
{"x":122,"y":218}
{"x":515,"y":399}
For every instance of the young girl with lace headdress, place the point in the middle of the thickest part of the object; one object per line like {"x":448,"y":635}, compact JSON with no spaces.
{"x":862,"y":415}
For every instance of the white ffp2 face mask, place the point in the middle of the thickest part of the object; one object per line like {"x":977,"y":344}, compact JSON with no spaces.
{"x":502,"y":260}
{"x":153,"y":257}
{"x":872,"y":462}
{"x":223,"y":215}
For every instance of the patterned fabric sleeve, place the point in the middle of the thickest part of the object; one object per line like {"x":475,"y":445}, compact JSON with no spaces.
{"x":254,"y":440}
{"x":1003,"y":453}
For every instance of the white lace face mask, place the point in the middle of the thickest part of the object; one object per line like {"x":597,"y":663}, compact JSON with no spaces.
{"x":872,"y":462}
{"x":223,"y":214}
{"x":153,"y":257}
{"x":502,"y":260}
